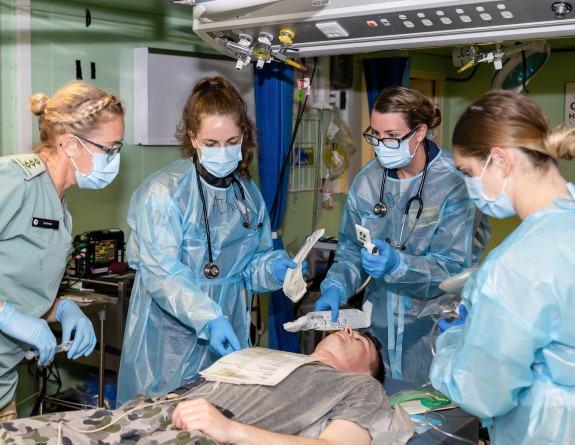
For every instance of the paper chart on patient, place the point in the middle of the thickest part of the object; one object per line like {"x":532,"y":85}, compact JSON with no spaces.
{"x":256,"y":366}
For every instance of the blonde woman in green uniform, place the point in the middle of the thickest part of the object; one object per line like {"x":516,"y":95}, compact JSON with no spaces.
{"x":81,"y":132}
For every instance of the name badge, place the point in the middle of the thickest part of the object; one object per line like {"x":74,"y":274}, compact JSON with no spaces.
{"x":45,"y":223}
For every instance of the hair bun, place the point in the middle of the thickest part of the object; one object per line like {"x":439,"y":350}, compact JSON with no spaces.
{"x":560,"y":142}
{"x":38,"y":104}
{"x":436,"y":119}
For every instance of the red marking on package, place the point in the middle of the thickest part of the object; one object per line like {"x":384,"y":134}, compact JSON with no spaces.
{"x":303,"y":83}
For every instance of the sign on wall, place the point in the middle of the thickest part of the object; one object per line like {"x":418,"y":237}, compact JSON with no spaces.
{"x":570,"y":103}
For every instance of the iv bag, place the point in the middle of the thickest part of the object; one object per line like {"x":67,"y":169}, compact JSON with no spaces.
{"x":339,"y":143}
{"x":336,"y":159}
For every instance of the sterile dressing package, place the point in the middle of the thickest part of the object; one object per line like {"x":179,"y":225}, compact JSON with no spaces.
{"x":294,"y":285}
{"x":321,"y":320}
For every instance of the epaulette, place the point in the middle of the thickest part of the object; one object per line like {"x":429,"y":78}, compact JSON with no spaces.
{"x":31,"y":164}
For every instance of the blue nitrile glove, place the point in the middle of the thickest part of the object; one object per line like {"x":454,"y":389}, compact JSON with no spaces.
{"x":223,"y":339}
{"x":34,"y":331}
{"x":444,"y":325}
{"x":281,"y":265}
{"x":331,"y":299}
{"x":377,"y":265}
{"x":73,"y":319}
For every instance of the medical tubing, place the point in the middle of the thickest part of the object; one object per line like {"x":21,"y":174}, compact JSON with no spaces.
{"x":402,"y":245}
{"x":431,"y":346}
{"x":420,"y":190}
{"x":362,"y":287}
{"x":36,"y":408}
{"x":456,"y":79}
{"x":245,"y":216}
{"x":71,"y":283}
{"x":417,"y":198}
{"x":524,"y":65}
{"x":454,"y":436}
{"x":317,"y":173}
{"x":299,"y":116}
{"x":188,"y":396}
{"x":381,"y":191}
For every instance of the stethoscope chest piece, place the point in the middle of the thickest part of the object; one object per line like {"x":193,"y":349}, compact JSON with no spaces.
{"x":211,"y":271}
{"x":380,"y":209}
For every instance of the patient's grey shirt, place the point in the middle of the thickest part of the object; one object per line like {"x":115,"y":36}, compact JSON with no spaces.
{"x":305,"y":401}
{"x":303,"y":404}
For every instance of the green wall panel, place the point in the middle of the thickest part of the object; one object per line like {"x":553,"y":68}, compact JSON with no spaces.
{"x":8,"y":138}
{"x":60,"y":37}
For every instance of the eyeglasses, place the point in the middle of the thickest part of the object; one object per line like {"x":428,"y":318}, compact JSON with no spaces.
{"x":387,"y":142}
{"x":112,"y":152}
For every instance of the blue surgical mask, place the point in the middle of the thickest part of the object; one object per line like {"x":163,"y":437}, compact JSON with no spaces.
{"x":221,"y":161}
{"x":395,"y":157}
{"x":500,"y":207}
{"x":102,"y":172}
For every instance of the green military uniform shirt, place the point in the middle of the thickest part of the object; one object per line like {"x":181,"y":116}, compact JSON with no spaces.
{"x":35,"y":238}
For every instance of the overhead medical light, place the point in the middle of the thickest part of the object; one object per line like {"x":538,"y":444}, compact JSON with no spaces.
{"x":515,"y":65}
{"x":519,"y":68}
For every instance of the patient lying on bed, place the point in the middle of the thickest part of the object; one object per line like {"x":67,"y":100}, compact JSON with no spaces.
{"x":336,"y":399}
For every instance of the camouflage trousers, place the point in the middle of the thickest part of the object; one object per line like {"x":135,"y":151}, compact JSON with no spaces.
{"x":146,"y":425}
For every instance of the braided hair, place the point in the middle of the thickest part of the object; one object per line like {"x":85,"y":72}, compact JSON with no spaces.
{"x":77,"y":108}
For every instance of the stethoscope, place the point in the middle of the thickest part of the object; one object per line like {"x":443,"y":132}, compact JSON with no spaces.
{"x":211,"y":270}
{"x":380,"y":209}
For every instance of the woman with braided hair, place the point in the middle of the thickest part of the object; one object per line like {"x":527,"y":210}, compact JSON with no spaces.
{"x":81,"y":131}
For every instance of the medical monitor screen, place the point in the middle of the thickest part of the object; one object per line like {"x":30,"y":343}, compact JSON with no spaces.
{"x":105,"y":251}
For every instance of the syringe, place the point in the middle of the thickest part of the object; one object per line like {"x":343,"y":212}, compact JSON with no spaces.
{"x":60,"y":348}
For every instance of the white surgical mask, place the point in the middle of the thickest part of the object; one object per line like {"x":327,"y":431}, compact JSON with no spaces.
{"x":102,"y":172}
{"x":221,"y":161}
{"x":395,"y":157}
{"x":499,"y":207}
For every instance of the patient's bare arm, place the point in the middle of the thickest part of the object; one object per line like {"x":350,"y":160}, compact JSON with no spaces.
{"x":202,"y":416}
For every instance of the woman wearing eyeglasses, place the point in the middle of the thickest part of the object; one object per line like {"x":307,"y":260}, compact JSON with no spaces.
{"x":81,"y":132}
{"x":201,"y":245}
{"x":422,"y":221}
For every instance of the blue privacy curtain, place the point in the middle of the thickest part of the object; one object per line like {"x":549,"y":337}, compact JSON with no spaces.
{"x":273,"y":91}
{"x":385,"y":72}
